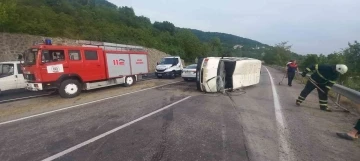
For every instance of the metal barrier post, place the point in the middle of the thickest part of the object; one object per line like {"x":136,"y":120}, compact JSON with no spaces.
{"x":338,"y":96}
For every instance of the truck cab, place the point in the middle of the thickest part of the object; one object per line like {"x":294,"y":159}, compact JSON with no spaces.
{"x":11,"y":76}
{"x":169,"y":67}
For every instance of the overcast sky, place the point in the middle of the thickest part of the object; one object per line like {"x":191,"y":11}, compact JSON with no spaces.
{"x":311,"y":26}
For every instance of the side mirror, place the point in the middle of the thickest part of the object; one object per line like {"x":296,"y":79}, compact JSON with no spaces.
{"x":157,"y":63}
{"x":19,"y":57}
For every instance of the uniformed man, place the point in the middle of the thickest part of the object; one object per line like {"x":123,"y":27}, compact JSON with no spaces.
{"x":324,"y":77}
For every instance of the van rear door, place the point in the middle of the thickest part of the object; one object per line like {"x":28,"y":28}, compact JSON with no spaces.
{"x":208,"y":74}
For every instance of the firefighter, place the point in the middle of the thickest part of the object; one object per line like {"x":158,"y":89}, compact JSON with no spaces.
{"x":324,"y":77}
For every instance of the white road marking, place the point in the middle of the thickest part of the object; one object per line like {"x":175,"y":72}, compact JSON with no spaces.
{"x":58,"y":155}
{"x":66,"y":108}
{"x":285,"y":152}
{"x":21,"y":98}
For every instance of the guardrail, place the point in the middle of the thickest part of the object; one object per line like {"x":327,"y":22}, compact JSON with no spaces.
{"x":340,"y":90}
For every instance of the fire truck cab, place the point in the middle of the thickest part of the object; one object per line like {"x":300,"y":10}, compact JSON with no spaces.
{"x":70,"y":69}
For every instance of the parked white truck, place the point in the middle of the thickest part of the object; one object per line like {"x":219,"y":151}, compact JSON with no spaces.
{"x":169,"y":67}
{"x":11,"y":76}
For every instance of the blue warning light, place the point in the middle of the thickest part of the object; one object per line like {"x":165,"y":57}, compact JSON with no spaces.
{"x":48,"y":42}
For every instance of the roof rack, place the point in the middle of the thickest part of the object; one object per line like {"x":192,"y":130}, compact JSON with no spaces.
{"x":110,"y":46}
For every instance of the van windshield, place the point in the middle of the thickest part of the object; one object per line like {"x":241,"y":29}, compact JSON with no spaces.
{"x":169,"y":61}
{"x":6,"y":70}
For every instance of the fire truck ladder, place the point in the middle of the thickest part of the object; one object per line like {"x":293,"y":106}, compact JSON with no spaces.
{"x":110,"y":46}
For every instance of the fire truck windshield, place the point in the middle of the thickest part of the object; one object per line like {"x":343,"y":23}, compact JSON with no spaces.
{"x":30,"y":57}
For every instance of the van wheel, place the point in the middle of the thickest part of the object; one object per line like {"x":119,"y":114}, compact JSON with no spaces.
{"x":129,"y":81}
{"x":173,"y":75}
{"x":69,"y":88}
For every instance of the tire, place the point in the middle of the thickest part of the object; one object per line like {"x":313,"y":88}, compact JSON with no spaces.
{"x":179,"y":72}
{"x":69,"y":88}
{"x":129,"y":81}
{"x":173,"y":75}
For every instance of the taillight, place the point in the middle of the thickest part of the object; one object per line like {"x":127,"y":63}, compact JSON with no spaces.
{"x":205,"y":62}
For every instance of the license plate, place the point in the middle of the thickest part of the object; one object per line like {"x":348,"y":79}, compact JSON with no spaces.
{"x":159,"y":74}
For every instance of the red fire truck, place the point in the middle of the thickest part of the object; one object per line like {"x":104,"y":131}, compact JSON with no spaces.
{"x":71,"y":69}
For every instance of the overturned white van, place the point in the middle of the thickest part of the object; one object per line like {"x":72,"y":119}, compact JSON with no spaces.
{"x":217,"y":74}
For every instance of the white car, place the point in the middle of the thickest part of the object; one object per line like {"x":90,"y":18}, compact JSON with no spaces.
{"x":189,"y":73}
{"x":169,"y":67}
{"x":11,"y":76}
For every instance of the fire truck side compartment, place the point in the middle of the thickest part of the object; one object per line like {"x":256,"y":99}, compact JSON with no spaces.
{"x":118,"y":65}
{"x":139,"y":63}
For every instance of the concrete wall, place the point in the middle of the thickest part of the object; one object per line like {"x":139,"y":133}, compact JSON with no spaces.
{"x":13,"y":44}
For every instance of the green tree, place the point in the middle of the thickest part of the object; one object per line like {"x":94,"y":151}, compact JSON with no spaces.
{"x":215,"y":43}
{"x":190,"y":43}
{"x":8,"y":15}
{"x":335,"y":58}
{"x":311,"y":59}
{"x":100,"y":20}
{"x":282,"y":50}
{"x":322,"y":59}
{"x":270,"y":57}
{"x":352,"y":57}
{"x":279,"y":54}
{"x":165,"y":26}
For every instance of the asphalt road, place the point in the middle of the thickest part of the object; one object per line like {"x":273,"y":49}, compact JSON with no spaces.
{"x":150,"y":121}
{"x":22,"y":94}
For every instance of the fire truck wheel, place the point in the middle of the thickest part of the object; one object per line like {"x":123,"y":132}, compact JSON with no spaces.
{"x":69,"y":88}
{"x":129,"y":81}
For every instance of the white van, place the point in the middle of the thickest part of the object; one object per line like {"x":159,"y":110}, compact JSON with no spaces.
{"x":169,"y":67}
{"x":216,"y":74}
{"x":11,"y":76}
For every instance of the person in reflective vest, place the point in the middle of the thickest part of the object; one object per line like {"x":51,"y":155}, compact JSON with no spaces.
{"x":291,"y":69}
{"x":286,"y":74}
{"x":323,"y":78}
